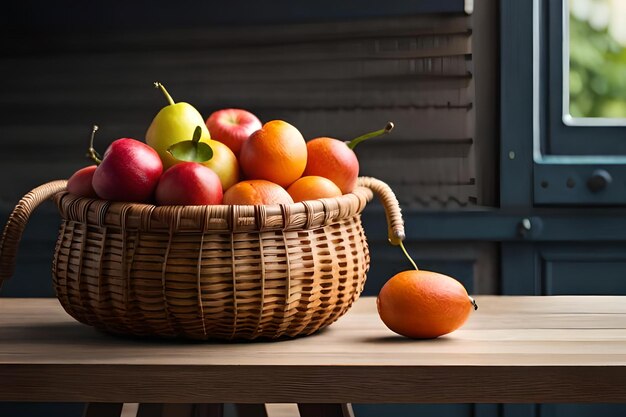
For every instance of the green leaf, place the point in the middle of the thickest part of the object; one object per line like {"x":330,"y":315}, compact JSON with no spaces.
{"x":191,"y":151}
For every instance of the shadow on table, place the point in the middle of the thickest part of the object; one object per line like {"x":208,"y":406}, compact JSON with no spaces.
{"x":61,"y":332}
{"x":397,"y":339}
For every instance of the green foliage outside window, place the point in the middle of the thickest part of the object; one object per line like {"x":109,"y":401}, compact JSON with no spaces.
{"x":597,"y":72}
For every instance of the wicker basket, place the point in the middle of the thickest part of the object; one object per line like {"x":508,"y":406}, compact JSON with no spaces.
{"x":206,"y":272}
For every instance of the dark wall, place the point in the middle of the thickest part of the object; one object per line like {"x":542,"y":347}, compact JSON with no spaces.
{"x":76,"y":15}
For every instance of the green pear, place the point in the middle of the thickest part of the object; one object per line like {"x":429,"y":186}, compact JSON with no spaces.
{"x":174,"y":123}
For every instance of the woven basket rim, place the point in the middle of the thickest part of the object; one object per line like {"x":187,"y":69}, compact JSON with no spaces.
{"x":203,"y":218}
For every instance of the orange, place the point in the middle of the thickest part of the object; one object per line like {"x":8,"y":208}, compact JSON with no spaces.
{"x":256,"y":192}
{"x":332,"y":159}
{"x":312,"y":188}
{"x":423,"y":304}
{"x":277,"y":152}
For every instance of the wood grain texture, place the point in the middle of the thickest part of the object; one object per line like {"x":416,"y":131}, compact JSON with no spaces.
{"x":513,"y":349}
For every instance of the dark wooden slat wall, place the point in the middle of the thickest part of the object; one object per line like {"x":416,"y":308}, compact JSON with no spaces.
{"x":69,"y":15}
{"x":336,"y":78}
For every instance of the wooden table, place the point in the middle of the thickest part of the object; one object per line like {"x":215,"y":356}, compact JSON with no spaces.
{"x":512,"y":350}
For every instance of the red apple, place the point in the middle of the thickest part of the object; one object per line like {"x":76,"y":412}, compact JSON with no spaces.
{"x":129,"y":171}
{"x":232,"y":127}
{"x":80,"y":183}
{"x":189,"y":184}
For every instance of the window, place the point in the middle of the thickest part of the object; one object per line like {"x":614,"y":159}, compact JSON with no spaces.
{"x":579,"y":93}
{"x":594,"y":62}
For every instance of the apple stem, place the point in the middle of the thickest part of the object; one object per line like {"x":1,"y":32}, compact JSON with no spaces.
{"x":91,"y":152}
{"x":354,"y":142}
{"x":161,"y":87}
{"x":408,"y":256}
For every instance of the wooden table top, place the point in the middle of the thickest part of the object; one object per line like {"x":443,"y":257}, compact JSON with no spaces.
{"x":513,"y":349}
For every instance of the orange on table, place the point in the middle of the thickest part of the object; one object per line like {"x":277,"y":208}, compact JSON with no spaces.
{"x":277,"y":153}
{"x":423,"y":304}
{"x":256,"y":192}
{"x":312,"y":188}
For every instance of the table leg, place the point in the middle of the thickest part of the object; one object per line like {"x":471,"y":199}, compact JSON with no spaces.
{"x":282,"y":410}
{"x":325,"y":410}
{"x":103,"y":410}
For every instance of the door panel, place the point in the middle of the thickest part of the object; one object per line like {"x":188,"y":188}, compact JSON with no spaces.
{"x":583,"y":268}
{"x":584,"y":278}
{"x":582,"y":410}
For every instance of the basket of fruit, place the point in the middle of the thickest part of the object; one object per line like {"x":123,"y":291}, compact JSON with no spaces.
{"x":164,"y":238}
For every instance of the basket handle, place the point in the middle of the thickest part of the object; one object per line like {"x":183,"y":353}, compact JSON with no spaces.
{"x":395,"y":224}
{"x":17,"y":222}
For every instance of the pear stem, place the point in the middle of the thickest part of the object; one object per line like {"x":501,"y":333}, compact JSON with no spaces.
{"x":197,"y":134}
{"x":408,"y":256}
{"x":161,"y":87}
{"x":354,"y":142}
{"x":91,"y":152}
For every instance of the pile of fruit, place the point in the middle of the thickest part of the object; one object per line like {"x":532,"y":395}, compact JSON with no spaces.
{"x":231,"y":158}
{"x":242,"y":161}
